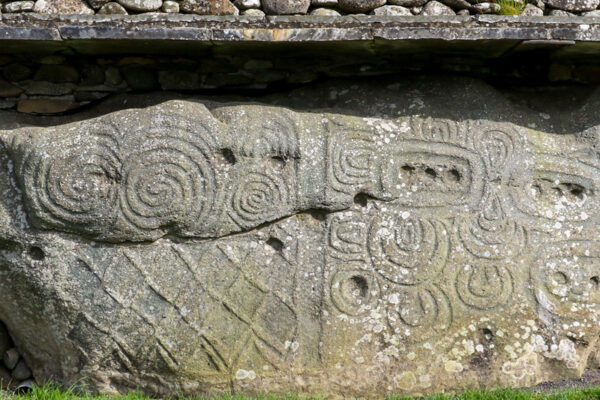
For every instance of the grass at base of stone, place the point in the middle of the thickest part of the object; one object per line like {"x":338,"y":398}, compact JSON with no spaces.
{"x":54,"y":393}
{"x":592,"y":393}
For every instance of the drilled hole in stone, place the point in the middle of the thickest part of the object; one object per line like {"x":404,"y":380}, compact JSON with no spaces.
{"x":8,"y":245}
{"x":229,"y":156}
{"x":275,"y":244}
{"x":357,"y":287}
{"x":577,"y":191}
{"x":361,"y":199}
{"x":319,"y":215}
{"x":595,"y":281}
{"x":487,"y":334}
{"x":279,"y":161}
{"x":454,"y":175}
{"x":408,"y":168}
{"x":431,"y":172}
{"x":36,"y":253}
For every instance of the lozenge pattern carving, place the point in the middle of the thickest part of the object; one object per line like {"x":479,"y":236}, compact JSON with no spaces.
{"x":273,"y":243}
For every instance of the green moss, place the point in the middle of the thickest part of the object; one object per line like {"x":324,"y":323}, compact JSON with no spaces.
{"x":510,"y":7}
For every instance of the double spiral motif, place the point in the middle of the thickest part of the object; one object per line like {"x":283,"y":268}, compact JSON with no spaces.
{"x":113,"y":188}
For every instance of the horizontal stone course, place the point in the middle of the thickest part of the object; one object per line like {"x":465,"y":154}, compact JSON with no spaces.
{"x":291,"y":7}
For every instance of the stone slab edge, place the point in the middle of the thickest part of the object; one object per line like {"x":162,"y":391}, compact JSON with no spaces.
{"x":35,"y":27}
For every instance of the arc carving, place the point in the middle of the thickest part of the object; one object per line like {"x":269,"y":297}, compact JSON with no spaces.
{"x":492,"y":233}
{"x":420,"y":313}
{"x":484,"y":285}
{"x":232,"y":246}
{"x":408,"y":249}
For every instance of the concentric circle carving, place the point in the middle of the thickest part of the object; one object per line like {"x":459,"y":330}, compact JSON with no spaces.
{"x":408,"y":250}
{"x":353,"y":290}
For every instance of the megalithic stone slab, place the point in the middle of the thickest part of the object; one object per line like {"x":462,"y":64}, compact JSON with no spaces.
{"x":194,"y":247}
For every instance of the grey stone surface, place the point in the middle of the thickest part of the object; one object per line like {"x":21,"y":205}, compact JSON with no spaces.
{"x":141,"y":5}
{"x":10,"y":358}
{"x":112,"y":8}
{"x":408,"y":3}
{"x":17,"y":6}
{"x":192,"y":30}
{"x":324,"y":3}
{"x":574,"y":5}
{"x":97,"y":4}
{"x":435,"y":8}
{"x":253,"y":12}
{"x":491,"y":8}
{"x":360,"y":6}
{"x":209,"y":7}
{"x":325,"y":12}
{"x":391,"y":10}
{"x":271,"y":7}
{"x":457,"y":4}
{"x":246,"y":4}
{"x":62,"y":7}
{"x":21,"y":371}
{"x":531,"y":10}
{"x":352,"y":240}
{"x":170,"y":6}
{"x":285,"y":7}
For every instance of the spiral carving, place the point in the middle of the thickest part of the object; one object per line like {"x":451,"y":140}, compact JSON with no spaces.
{"x":352,"y":163}
{"x":77,"y":186}
{"x":484,"y":286}
{"x":168,"y":182}
{"x":408,"y":250}
{"x":116,"y":186}
{"x":260,"y":196}
{"x":347,"y":235}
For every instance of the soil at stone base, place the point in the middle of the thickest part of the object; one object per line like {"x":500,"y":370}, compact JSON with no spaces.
{"x":590,"y":377}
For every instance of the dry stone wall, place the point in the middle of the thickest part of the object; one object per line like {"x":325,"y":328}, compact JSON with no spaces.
{"x":387,"y":242}
{"x":57,"y":84}
{"x":325,"y":8}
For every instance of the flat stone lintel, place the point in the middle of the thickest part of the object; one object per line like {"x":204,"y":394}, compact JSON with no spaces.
{"x":32,"y":27}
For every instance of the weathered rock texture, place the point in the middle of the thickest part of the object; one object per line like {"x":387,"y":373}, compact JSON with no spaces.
{"x":404,"y":243}
{"x":570,"y":8}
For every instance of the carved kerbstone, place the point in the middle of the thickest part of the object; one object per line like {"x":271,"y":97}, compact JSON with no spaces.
{"x":202,"y":247}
